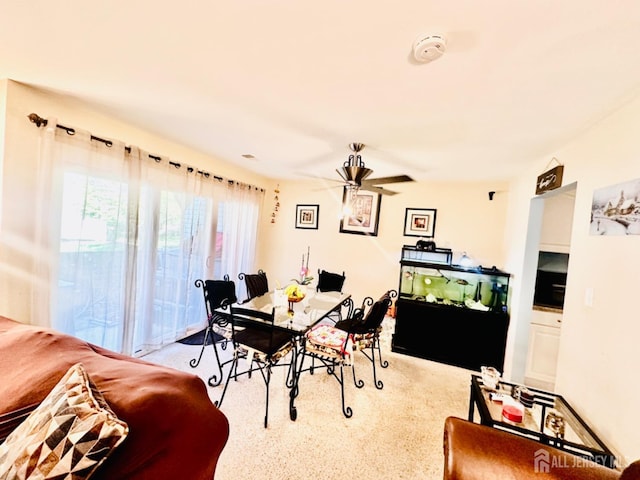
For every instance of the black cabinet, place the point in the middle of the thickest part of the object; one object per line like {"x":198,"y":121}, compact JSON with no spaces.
{"x":451,"y":314}
{"x":452,"y":335}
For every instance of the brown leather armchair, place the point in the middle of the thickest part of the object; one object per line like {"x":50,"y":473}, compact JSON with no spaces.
{"x":478,"y":452}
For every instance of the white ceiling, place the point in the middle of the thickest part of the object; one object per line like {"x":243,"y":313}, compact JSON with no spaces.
{"x":293,"y":82}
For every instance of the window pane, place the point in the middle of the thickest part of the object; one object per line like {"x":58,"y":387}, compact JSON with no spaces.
{"x":168,"y":303}
{"x":92,"y":259}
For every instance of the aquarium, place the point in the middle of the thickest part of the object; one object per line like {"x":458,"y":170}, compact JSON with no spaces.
{"x":435,"y":255}
{"x":475,"y":288}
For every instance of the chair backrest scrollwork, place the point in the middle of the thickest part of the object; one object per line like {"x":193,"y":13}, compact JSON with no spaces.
{"x":218,"y":294}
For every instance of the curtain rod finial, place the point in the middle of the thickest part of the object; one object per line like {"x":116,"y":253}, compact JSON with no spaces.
{"x":38,"y":120}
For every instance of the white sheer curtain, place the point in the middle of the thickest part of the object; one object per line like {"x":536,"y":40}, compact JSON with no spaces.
{"x":238,"y":219}
{"x":126,"y":236}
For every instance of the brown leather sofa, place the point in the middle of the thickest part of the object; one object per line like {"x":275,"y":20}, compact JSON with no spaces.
{"x":175,"y":431}
{"x":478,"y":452}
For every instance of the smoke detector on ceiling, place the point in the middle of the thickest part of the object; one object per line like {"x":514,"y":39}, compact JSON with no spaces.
{"x":427,"y":48}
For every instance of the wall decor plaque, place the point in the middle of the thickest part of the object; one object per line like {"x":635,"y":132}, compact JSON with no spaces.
{"x":549,"y":180}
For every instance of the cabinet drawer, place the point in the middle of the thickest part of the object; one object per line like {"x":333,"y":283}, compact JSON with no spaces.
{"x":549,"y":319}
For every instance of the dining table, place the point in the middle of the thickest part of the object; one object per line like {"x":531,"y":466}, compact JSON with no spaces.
{"x":299,"y":317}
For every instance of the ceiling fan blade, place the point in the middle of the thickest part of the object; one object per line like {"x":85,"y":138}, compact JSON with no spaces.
{"x":322,"y":189}
{"x":380,"y":190}
{"x":385,"y":180}
{"x":319,"y":178}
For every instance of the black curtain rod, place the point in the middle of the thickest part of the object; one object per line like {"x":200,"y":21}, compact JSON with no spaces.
{"x":42,"y":122}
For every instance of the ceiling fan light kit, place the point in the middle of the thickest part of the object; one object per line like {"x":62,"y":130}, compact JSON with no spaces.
{"x":354,"y":173}
{"x":427,"y":48}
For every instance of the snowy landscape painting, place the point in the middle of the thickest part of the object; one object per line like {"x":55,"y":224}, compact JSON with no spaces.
{"x":615,"y":210}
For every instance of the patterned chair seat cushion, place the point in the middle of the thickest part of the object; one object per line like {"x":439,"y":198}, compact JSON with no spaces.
{"x":223,"y":331}
{"x":277,"y":356}
{"x":328,"y":341}
{"x":365,"y":340}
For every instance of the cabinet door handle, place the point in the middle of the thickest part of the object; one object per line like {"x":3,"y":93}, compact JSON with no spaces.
{"x":559,"y":320}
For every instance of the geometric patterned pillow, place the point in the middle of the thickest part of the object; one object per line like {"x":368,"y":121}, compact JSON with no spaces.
{"x":66,"y":437}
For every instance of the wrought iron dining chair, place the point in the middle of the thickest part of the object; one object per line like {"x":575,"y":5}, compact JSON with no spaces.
{"x":333,"y":349}
{"x":218,"y":295}
{"x":263,"y":345}
{"x":256,"y":284}
{"x":365,"y":330}
{"x":331,"y":282}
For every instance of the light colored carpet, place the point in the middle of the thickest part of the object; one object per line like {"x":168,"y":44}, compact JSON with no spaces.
{"x":395,"y":433}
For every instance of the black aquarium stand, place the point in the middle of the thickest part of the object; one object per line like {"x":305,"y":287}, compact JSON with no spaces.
{"x":452,"y":335}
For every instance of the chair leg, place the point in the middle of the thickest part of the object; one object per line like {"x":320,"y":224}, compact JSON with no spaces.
{"x":232,"y":373}
{"x":267,"y":380}
{"x":214,"y":381}
{"x":378,"y":383}
{"x":359,"y":383}
{"x":346,"y":410}
{"x":331,"y":367}
{"x":383,"y":363}
{"x":291,"y":371}
{"x":293,"y":393}
{"x":195,"y":362}
{"x":372,"y":358}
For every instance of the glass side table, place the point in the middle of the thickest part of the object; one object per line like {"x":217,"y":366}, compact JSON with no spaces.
{"x":540,"y":421}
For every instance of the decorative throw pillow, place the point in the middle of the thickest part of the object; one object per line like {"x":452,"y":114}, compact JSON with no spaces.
{"x":66,"y":437}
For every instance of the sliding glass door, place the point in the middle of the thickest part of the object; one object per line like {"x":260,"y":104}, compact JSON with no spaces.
{"x":129,"y":238}
{"x":92,"y":259}
{"x":101,"y":273}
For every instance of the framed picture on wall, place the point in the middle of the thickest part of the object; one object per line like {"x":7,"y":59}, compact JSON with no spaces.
{"x":615,"y":210}
{"x":307,"y":216}
{"x":419,"y":222}
{"x":361,"y":213}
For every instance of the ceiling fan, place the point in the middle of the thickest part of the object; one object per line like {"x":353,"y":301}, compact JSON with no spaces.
{"x":355,"y":174}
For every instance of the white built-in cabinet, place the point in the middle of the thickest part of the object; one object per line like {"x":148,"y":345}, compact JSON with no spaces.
{"x":557,"y":221}
{"x":545,"y":328}
{"x":544,"y":343}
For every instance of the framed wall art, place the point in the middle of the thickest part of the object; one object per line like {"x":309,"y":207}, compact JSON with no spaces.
{"x":615,"y":210}
{"x":420,"y":222}
{"x":363,"y":213}
{"x":307,"y":216}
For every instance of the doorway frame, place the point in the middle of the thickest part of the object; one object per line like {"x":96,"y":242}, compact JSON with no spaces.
{"x":524,"y":303}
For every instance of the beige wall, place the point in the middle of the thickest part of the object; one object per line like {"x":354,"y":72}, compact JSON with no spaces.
{"x":465,"y":221}
{"x":3,"y":97}
{"x":598,"y":359}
